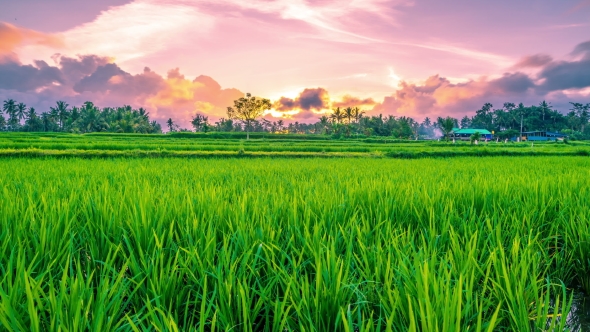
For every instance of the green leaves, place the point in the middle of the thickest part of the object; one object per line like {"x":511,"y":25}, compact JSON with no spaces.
{"x":292,"y":244}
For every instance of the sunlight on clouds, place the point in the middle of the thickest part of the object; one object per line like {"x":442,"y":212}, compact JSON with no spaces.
{"x":134,"y":30}
{"x":394,"y":79}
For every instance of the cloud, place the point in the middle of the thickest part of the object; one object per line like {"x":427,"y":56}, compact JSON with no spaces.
{"x":12,"y":36}
{"x":182,"y":98}
{"x":351,"y":101}
{"x":582,"y":49}
{"x":534,"y":61}
{"x":134,"y":30}
{"x":309,"y":99}
{"x":14,"y":76}
{"x":562,"y":75}
{"x":326,"y":16}
{"x":96,"y":79}
{"x":438,"y":96}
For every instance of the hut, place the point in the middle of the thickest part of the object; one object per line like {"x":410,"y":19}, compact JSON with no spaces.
{"x":542,"y":136}
{"x":464,"y":134}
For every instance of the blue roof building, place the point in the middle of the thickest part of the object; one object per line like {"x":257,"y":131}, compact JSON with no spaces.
{"x":464,"y":134}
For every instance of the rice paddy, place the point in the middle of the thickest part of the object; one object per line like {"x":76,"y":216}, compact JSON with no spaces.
{"x":224,"y":145}
{"x":282,"y":244}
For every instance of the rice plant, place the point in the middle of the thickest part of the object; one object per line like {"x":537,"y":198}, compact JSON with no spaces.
{"x":282,"y":244}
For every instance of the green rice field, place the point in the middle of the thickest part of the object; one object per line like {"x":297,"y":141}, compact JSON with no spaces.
{"x":93,"y":238}
{"x":223,"y":145}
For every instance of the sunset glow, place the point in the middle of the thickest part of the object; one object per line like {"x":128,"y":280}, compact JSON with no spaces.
{"x":399,"y":57}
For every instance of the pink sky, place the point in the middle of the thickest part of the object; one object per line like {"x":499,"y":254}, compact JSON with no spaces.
{"x":400,"y":57}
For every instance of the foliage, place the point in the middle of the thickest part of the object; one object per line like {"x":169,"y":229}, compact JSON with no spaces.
{"x":346,"y":122}
{"x":85,"y":119}
{"x":212,"y":245}
{"x":475,"y":137}
{"x":248,"y":109}
{"x":446,"y":125}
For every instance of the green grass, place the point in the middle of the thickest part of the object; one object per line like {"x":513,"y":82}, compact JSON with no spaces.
{"x":458,"y":244}
{"x":207,"y":145}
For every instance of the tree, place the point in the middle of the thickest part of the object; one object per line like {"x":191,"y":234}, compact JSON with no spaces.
{"x":466,"y":122}
{"x":581,"y":111}
{"x":545,"y":108}
{"x":357,"y":113}
{"x":446,"y":125}
{"x":20,"y":111}
{"x":336,"y":115}
{"x":248,"y":109}
{"x":199,"y":121}
{"x":475,"y":137}
{"x":348,"y":114}
{"x":9,"y":107}
{"x":170,"y":124}
{"x":324,"y":123}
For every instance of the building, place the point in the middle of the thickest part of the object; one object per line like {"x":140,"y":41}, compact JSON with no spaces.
{"x":542,"y":136}
{"x":464,"y":134}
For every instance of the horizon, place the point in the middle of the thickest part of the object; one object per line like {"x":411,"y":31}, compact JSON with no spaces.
{"x":177,"y":58}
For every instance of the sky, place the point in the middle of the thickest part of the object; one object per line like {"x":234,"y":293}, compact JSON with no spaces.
{"x":418,"y":58}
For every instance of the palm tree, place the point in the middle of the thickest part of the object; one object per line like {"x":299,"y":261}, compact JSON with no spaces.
{"x":60,"y":112}
{"x":20,"y":111}
{"x":348,"y":113}
{"x":31,"y":120}
{"x":324,"y":122}
{"x":357,"y":113}
{"x":336,"y":115}
{"x":170,"y":124}
{"x":9,"y":107}
{"x":280,"y":124}
{"x":446,"y":125}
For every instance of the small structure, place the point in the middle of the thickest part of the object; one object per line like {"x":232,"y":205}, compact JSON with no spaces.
{"x":464,"y":134}
{"x":542,"y":136}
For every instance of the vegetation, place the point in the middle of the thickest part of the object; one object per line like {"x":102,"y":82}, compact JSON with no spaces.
{"x":85,"y":119}
{"x":245,"y":116}
{"x":247,"y":109}
{"x":293,"y":245}
{"x":224,"y":145}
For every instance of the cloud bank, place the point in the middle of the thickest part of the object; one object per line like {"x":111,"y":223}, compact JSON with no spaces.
{"x":97,"y":79}
{"x":558,"y":81}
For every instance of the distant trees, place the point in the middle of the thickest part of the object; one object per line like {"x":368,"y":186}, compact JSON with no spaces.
{"x":246,"y":114}
{"x":247,"y":109}
{"x":84,"y":119}
{"x":446,"y":125}
{"x":200,"y":123}
{"x":511,"y":117}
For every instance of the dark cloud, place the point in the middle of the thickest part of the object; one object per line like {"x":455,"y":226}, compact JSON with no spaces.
{"x":561,"y":75}
{"x":534,"y":61}
{"x":308,"y":99}
{"x":14,"y":76}
{"x":582,"y":48}
{"x":314,"y":99}
{"x":74,"y":69}
{"x":511,"y":83}
{"x":93,"y":78}
{"x":566,"y":75}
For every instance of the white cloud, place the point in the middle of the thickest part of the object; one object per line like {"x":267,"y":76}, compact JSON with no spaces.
{"x":131,"y":31}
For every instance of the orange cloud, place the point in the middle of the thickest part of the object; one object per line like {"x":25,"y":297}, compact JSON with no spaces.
{"x":181,"y":98}
{"x":438,"y":96}
{"x":12,"y":36}
{"x":351,"y":101}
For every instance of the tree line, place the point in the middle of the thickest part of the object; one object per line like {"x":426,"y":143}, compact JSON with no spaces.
{"x":246,"y":116}
{"x":85,"y":119}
